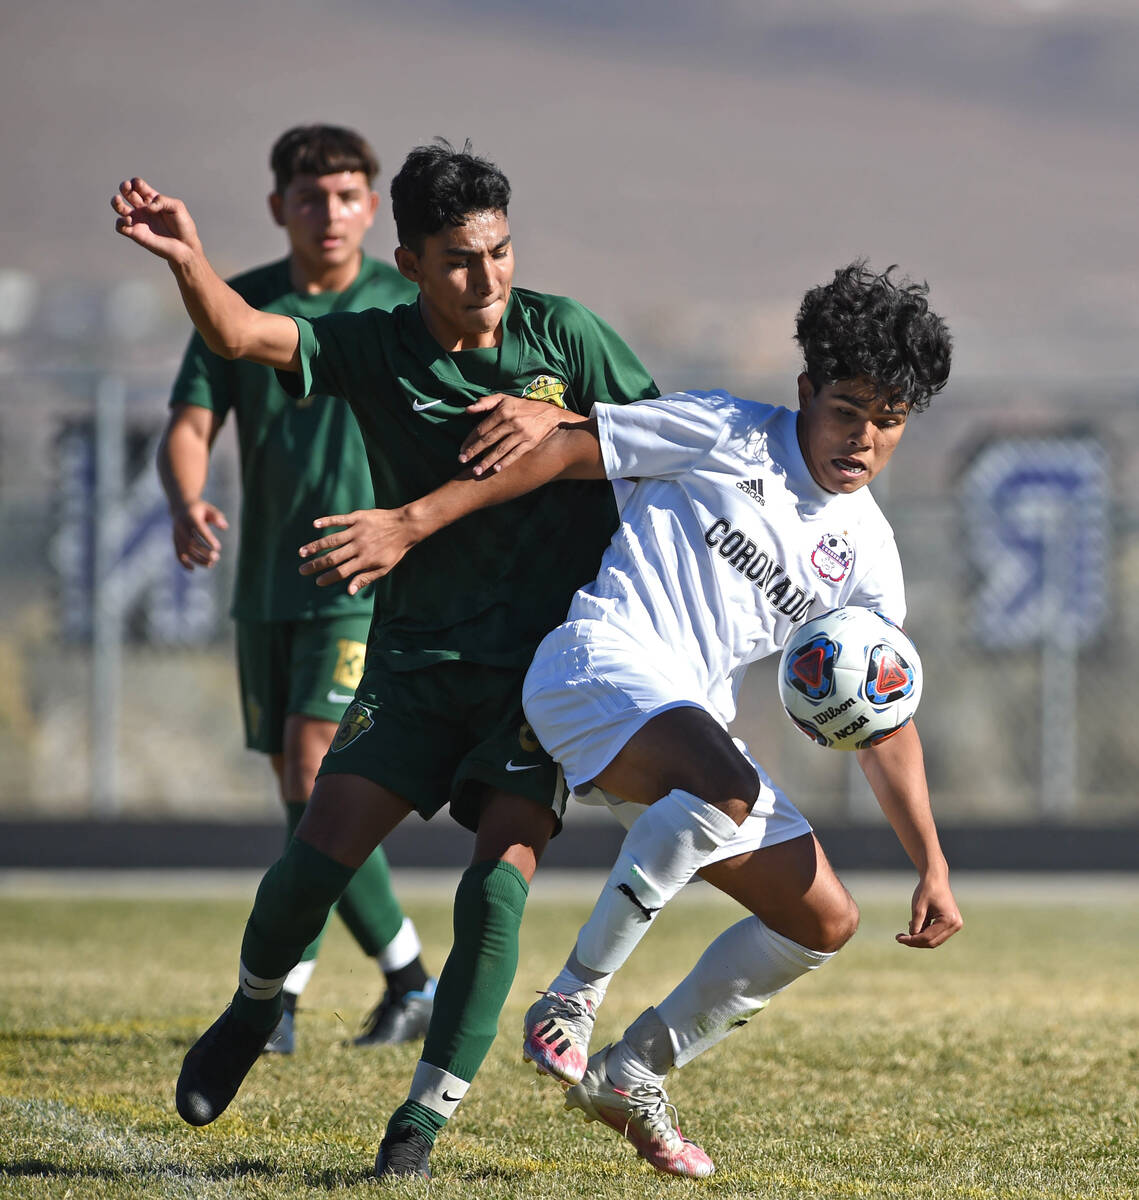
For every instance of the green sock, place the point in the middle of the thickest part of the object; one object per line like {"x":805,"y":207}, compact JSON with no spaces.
{"x":290,"y":910}
{"x":418,"y":1116}
{"x":477,"y":975}
{"x":293,"y":814}
{"x":369,"y":907}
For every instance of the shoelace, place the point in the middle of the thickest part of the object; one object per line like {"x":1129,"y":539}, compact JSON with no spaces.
{"x":652,"y":1105}
{"x":577,"y":1008}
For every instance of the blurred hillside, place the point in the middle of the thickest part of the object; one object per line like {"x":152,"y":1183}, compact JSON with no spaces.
{"x":687,"y":170}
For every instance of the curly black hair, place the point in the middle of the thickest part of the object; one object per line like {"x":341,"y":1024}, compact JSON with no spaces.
{"x":439,"y":185}
{"x":863,"y":325}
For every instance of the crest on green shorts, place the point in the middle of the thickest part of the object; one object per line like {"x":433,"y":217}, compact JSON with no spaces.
{"x":546,"y":387}
{"x":356,"y":720}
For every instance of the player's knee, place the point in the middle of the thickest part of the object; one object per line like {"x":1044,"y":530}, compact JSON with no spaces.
{"x":298,"y":777}
{"x":734,"y":788}
{"x":838,"y":924}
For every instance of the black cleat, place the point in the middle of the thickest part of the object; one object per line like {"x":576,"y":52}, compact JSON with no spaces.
{"x":402,"y":1020}
{"x":403,"y":1152}
{"x":214,"y":1068}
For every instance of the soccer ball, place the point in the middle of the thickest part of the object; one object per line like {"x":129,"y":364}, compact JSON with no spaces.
{"x":850,"y":678}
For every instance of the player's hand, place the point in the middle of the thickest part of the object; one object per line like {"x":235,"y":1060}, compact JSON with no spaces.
{"x":368,"y":544}
{"x":934,"y":916}
{"x":194,"y":543}
{"x":158,"y":223}
{"x":510,"y":427}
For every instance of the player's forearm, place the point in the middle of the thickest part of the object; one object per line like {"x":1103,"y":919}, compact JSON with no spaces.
{"x":230,"y":327}
{"x":572,"y":452}
{"x":895,"y":771}
{"x":183,"y":462}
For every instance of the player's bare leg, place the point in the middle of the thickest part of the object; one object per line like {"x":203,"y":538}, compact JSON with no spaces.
{"x":368,"y":907}
{"x":696,"y":788}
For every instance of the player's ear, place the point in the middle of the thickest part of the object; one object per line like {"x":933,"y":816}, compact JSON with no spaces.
{"x":806,"y":390}
{"x":373,"y":205}
{"x":407,"y":261}
{"x":277,"y":208}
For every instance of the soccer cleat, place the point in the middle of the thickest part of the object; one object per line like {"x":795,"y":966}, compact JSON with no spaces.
{"x":214,"y":1068}
{"x":556,"y":1031}
{"x":641,"y":1116}
{"x":403,"y":1152}
{"x":283,"y":1039}
{"x":395,"y":1021}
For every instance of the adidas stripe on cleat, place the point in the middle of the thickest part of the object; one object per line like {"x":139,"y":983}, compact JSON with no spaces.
{"x":556,"y":1032}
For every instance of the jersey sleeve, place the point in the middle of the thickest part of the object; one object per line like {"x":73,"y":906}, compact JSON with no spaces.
{"x":882,"y":587}
{"x":204,"y":379}
{"x":332,"y":353}
{"x":605,"y":370}
{"x":660,"y":438}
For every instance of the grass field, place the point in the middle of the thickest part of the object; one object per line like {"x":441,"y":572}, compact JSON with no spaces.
{"x":1004,"y":1065}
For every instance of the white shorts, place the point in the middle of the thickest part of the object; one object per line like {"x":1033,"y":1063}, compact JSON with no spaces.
{"x":587,"y":697}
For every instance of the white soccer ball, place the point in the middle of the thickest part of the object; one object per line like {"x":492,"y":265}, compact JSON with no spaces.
{"x":850,"y":678}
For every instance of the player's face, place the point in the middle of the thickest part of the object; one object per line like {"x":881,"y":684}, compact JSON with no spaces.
{"x":847,"y":432}
{"x":464,"y":274}
{"x":326,"y":217}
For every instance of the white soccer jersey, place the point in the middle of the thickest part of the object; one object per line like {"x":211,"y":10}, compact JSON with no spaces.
{"x":726,"y":543}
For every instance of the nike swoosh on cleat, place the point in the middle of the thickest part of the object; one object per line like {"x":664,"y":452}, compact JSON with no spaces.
{"x":339,"y":698}
{"x":513,"y":766}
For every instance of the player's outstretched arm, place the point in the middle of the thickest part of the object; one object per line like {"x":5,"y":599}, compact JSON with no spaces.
{"x":370,"y":542}
{"x":231,"y":328}
{"x":895,"y":770}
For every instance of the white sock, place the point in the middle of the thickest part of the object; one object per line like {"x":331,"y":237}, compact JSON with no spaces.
{"x":667,"y":844}
{"x":437,"y":1089}
{"x":643,"y":1055}
{"x":404,"y":948}
{"x":297,"y":979}
{"x":736,"y":976}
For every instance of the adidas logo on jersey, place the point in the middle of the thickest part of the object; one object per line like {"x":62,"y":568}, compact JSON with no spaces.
{"x":752,"y":488}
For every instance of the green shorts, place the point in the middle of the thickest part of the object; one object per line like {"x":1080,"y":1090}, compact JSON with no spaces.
{"x":445,"y":734}
{"x":306,"y":667}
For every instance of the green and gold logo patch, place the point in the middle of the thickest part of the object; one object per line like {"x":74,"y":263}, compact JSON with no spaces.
{"x":527,"y":738}
{"x":349,"y":662}
{"x":546,"y":387}
{"x":357,"y":720}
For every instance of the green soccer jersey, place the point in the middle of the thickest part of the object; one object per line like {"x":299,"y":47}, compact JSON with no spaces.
{"x":300,"y":459}
{"x":489,"y":587}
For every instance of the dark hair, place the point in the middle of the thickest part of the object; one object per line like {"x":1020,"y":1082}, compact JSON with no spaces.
{"x":320,"y":150}
{"x":439,"y":185}
{"x":867,"y":326}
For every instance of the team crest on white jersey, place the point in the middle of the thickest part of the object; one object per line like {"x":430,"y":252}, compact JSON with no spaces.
{"x":833,"y":557}
{"x":546,"y":387}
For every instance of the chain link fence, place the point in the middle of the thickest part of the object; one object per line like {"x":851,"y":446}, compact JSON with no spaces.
{"x":1017,"y":528}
